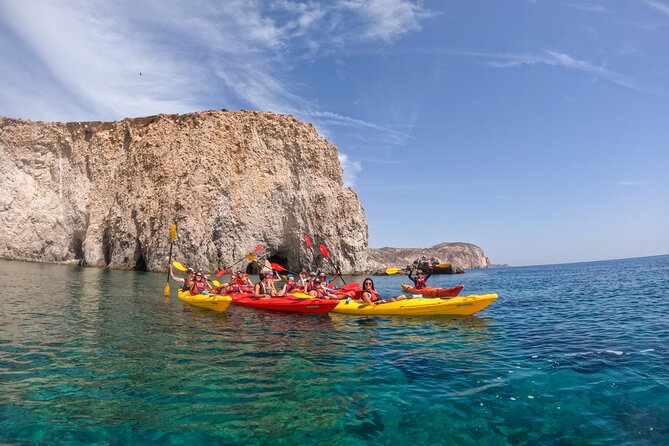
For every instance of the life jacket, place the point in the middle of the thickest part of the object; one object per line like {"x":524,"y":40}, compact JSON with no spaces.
{"x":240,"y":282}
{"x":265,"y":289}
{"x":420,"y":282}
{"x":197,"y":287}
{"x":291,"y":286}
{"x":234,"y":288}
{"x":374,"y":296}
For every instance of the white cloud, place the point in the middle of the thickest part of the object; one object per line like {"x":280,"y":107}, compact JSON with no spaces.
{"x":558,"y":59}
{"x":633,"y":183}
{"x":351,"y":169}
{"x":386,"y":19}
{"x":658,"y":6}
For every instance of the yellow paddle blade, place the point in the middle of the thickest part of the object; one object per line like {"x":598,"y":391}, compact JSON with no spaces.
{"x":173,"y":232}
{"x":179,"y":266}
{"x":250,"y":258}
{"x":166,"y":291}
{"x":303,"y":296}
{"x":392,"y":270}
{"x":216,"y":283}
{"x":442,"y":265}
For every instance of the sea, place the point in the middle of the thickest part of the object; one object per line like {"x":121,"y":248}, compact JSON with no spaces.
{"x":570,"y":354}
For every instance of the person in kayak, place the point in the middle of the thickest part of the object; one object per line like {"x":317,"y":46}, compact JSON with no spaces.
{"x":419,"y":280}
{"x":304,"y":280}
{"x":371,"y":297}
{"x":185,"y":282}
{"x":320,"y":291}
{"x":311,"y":282}
{"x":291,"y":286}
{"x":265,"y":288}
{"x":200,"y":285}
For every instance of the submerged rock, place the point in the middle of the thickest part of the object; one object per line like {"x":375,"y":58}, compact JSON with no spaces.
{"x":105,"y":193}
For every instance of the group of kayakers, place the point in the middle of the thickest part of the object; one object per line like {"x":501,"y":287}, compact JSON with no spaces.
{"x":314,"y":284}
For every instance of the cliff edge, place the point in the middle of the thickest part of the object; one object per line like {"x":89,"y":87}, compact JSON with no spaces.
{"x":105,"y":193}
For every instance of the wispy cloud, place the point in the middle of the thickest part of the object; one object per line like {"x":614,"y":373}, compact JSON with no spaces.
{"x":633,"y":183}
{"x":556,"y":59}
{"x":76,"y":60}
{"x":589,"y":7}
{"x":658,"y":6}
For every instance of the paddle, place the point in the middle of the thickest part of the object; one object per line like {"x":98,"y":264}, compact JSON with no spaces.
{"x":391,"y":271}
{"x":326,"y":254}
{"x":173,"y":234}
{"x":179,"y":266}
{"x":224,"y":270}
{"x":307,"y":240}
{"x":302,"y":295}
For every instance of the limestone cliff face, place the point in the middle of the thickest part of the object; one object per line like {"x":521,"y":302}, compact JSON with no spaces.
{"x":105,"y":193}
{"x":460,"y":255}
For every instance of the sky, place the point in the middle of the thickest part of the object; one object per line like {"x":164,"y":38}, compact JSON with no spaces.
{"x":535,"y":129}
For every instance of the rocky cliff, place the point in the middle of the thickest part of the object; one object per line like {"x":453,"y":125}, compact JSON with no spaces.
{"x":460,"y":255}
{"x":105,"y":193}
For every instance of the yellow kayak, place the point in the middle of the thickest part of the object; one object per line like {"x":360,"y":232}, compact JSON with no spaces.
{"x":214,"y":302}
{"x":420,"y":306}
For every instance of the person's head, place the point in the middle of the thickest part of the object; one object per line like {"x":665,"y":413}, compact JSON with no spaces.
{"x":317,"y":281}
{"x":419,"y":272}
{"x":190,"y":272}
{"x":303,"y":273}
{"x":368,"y":284}
{"x":290,"y":278}
{"x":312,"y":275}
{"x":199,"y":275}
{"x":322,"y":276}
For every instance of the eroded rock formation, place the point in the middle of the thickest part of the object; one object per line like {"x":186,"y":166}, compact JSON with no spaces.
{"x":105,"y":193}
{"x":459,"y":255}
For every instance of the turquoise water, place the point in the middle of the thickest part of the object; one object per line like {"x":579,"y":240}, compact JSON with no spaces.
{"x":569,"y":354}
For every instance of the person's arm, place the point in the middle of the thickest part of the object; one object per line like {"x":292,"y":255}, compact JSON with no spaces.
{"x":413,"y":279}
{"x":429,"y":274}
{"x":175,"y":278}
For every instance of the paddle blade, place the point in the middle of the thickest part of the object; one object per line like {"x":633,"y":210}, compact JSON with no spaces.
{"x":166,"y":291}
{"x":258,"y":248}
{"x":173,"y":232}
{"x":216,"y":283}
{"x":221,"y":272}
{"x":324,"y":251}
{"x":179,"y":266}
{"x":250,"y":258}
{"x":277,"y":267}
{"x":307,"y":240}
{"x":303,"y":296}
{"x":392,"y":271}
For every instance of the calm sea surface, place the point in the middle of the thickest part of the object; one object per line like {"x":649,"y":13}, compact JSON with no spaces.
{"x":569,"y":354}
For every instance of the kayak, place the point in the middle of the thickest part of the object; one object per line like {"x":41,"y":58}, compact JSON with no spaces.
{"x":288,"y":304}
{"x":213,"y":302}
{"x":420,"y":306}
{"x":433,"y":292}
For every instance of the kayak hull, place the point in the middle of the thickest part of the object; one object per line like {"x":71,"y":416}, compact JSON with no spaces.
{"x":286,"y":304}
{"x":420,"y":306}
{"x":432,"y":291}
{"x":212,"y":302}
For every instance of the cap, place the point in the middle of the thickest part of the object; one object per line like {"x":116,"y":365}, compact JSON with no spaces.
{"x":190,"y":270}
{"x":312,"y":273}
{"x":321,"y":275}
{"x":317,"y":281}
{"x":419,"y":271}
{"x":269,"y":273}
{"x":290,"y":275}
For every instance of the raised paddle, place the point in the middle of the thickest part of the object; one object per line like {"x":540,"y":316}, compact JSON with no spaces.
{"x":326,"y":254}
{"x":179,"y":266}
{"x":224,"y":270}
{"x":173,"y":234}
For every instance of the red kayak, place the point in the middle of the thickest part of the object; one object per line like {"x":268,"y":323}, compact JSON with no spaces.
{"x":288,"y":303}
{"x":433,"y":292}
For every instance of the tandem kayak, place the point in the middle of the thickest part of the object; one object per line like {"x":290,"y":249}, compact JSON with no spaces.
{"x":420,"y":306}
{"x":287,"y":304}
{"x":433,"y":292}
{"x":213,"y":302}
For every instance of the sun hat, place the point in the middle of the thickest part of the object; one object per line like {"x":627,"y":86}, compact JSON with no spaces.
{"x":312,"y":274}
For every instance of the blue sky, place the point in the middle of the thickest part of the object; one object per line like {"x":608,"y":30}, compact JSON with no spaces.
{"x":538,"y":130}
